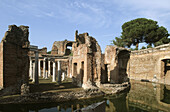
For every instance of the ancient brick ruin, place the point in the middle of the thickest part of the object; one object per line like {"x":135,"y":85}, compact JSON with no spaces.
{"x":14,"y":59}
{"x":150,"y":64}
{"x":81,"y":60}
{"x":86,"y":62}
{"x":116,"y":59}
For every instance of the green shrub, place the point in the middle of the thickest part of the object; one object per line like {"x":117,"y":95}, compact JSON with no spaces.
{"x":143,"y":47}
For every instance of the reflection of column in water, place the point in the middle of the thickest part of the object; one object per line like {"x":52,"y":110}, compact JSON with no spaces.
{"x":58,"y":107}
{"x":107,"y":102}
{"x":127,"y":103}
{"x":65,"y":107}
{"x":72,"y":108}
{"x":78,"y":106}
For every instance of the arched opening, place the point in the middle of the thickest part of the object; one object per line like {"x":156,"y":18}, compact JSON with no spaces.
{"x":68,"y":50}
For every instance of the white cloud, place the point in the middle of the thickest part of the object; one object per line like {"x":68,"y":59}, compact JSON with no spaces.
{"x":95,"y":13}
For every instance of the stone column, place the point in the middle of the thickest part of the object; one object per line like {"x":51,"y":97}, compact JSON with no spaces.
{"x":59,"y":73}
{"x":108,"y":72}
{"x":36,"y":68}
{"x":33,"y":78}
{"x":44,"y":67}
{"x":54,"y":72}
{"x":49,"y":68}
{"x":46,"y":74}
{"x":63,"y":76}
{"x":39,"y":68}
{"x":30,"y":69}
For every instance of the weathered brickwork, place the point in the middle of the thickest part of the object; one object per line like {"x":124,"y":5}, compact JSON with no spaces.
{"x":116,"y":59}
{"x":15,"y":58}
{"x":42,"y":51}
{"x":150,"y":64}
{"x":60,"y":48}
{"x":86,"y":62}
{"x":1,"y":65}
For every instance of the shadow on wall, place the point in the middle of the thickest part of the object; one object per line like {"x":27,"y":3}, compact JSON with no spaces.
{"x":78,"y":79}
{"x":119,"y":73}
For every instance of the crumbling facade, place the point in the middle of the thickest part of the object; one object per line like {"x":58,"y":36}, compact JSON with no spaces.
{"x":116,"y":61}
{"x":61,"y":48}
{"x":86,"y":62}
{"x":14,"y":59}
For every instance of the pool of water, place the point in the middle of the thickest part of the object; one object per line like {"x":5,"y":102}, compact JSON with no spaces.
{"x":142,"y":97}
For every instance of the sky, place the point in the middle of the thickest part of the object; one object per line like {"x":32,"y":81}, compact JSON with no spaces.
{"x":57,"y":20}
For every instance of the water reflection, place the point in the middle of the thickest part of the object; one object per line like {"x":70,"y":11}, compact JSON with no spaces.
{"x":149,"y":96}
{"x":166,"y":94}
{"x":142,"y":97}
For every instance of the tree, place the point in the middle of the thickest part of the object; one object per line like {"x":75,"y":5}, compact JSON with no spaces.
{"x":142,"y":30}
{"x":49,"y":52}
{"x":119,"y":42}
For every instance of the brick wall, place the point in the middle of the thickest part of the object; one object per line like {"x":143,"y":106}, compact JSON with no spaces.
{"x":145,"y":64}
{"x":1,"y":64}
{"x":15,"y":58}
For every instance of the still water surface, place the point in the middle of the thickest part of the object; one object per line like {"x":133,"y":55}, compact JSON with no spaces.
{"x":142,"y":97}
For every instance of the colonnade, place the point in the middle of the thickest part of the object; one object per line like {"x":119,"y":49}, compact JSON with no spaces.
{"x":35,"y":69}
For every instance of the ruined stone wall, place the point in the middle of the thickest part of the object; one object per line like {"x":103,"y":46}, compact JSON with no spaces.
{"x":87,"y":58}
{"x":111,"y":64}
{"x":1,"y":65}
{"x":79,"y":57}
{"x":60,"y":47}
{"x":15,"y":58}
{"x":148,"y":64}
{"x":64,"y":66}
{"x":116,"y":59}
{"x":42,"y":51}
{"x":69,"y":69}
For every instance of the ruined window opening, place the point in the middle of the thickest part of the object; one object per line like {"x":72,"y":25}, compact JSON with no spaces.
{"x":68,"y":49}
{"x":82,"y":71}
{"x":75,"y":69}
{"x":165,"y":67}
